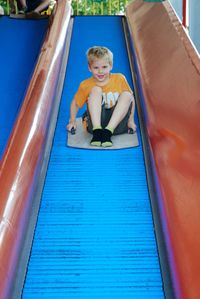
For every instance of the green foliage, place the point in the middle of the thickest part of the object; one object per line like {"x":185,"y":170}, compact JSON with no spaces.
{"x":154,"y":0}
{"x":99,"y":7}
{"x":99,"y":1}
{"x":5,"y":5}
{"x":89,"y":7}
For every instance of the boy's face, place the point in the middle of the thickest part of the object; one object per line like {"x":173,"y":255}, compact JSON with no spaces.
{"x":100,"y":69}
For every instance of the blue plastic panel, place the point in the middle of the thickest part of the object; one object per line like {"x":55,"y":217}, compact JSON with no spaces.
{"x":20,"y":44}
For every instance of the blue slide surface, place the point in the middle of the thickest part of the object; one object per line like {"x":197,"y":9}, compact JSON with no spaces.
{"x":20,"y":45}
{"x":94,"y":236}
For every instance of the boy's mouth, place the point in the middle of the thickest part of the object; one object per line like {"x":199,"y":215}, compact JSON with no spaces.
{"x":100,"y":76}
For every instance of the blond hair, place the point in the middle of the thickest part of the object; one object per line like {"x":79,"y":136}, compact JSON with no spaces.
{"x":98,"y":52}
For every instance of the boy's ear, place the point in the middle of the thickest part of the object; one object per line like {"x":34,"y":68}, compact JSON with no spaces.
{"x":89,"y":67}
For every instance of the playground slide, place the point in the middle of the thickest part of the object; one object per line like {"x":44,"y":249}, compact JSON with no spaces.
{"x":90,"y":244}
{"x":94,"y":236}
{"x":85,"y":239}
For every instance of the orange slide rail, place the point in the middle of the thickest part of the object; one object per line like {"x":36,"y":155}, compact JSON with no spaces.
{"x":21,"y":163}
{"x":169,"y":70}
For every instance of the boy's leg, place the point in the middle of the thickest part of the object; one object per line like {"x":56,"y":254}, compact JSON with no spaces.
{"x":121,"y":109}
{"x":122,"y":127}
{"x":22,"y":6}
{"x":94,"y":107}
{"x":37,"y":5}
{"x":42,"y":6}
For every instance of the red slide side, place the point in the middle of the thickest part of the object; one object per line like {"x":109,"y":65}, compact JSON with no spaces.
{"x":169,"y":69}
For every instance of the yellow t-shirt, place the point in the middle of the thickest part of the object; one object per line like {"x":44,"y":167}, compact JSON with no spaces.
{"x":116,"y":85}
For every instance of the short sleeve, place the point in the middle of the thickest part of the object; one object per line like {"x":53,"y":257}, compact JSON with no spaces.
{"x":124,"y":84}
{"x":80,"y":96}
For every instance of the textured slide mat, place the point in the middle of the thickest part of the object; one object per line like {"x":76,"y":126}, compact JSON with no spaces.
{"x":82,"y":139}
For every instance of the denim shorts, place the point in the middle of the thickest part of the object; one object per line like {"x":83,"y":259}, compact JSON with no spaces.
{"x":105,"y":118}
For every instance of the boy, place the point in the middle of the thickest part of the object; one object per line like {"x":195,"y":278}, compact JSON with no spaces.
{"x":110,"y":102}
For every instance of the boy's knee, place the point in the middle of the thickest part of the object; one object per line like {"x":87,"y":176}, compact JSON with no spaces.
{"x":96,"y":90}
{"x":126,"y":96}
{"x":95,"y":95}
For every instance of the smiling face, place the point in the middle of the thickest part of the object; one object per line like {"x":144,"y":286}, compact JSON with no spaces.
{"x":100,"y":69}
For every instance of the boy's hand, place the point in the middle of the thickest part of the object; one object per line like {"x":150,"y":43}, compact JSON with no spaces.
{"x":71,"y":124}
{"x":71,"y":127}
{"x":132,"y":125}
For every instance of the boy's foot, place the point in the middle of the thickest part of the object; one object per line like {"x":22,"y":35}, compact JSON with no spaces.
{"x":106,"y":138}
{"x":97,"y":136}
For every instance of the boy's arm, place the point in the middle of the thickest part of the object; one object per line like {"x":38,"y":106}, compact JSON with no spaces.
{"x":73,"y":112}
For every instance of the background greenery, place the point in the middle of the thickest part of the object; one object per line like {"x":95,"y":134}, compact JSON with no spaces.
{"x":88,"y":7}
{"x":99,"y":7}
{"x":5,"y":5}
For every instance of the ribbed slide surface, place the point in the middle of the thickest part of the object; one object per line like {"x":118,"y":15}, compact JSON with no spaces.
{"x":95,"y":236}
